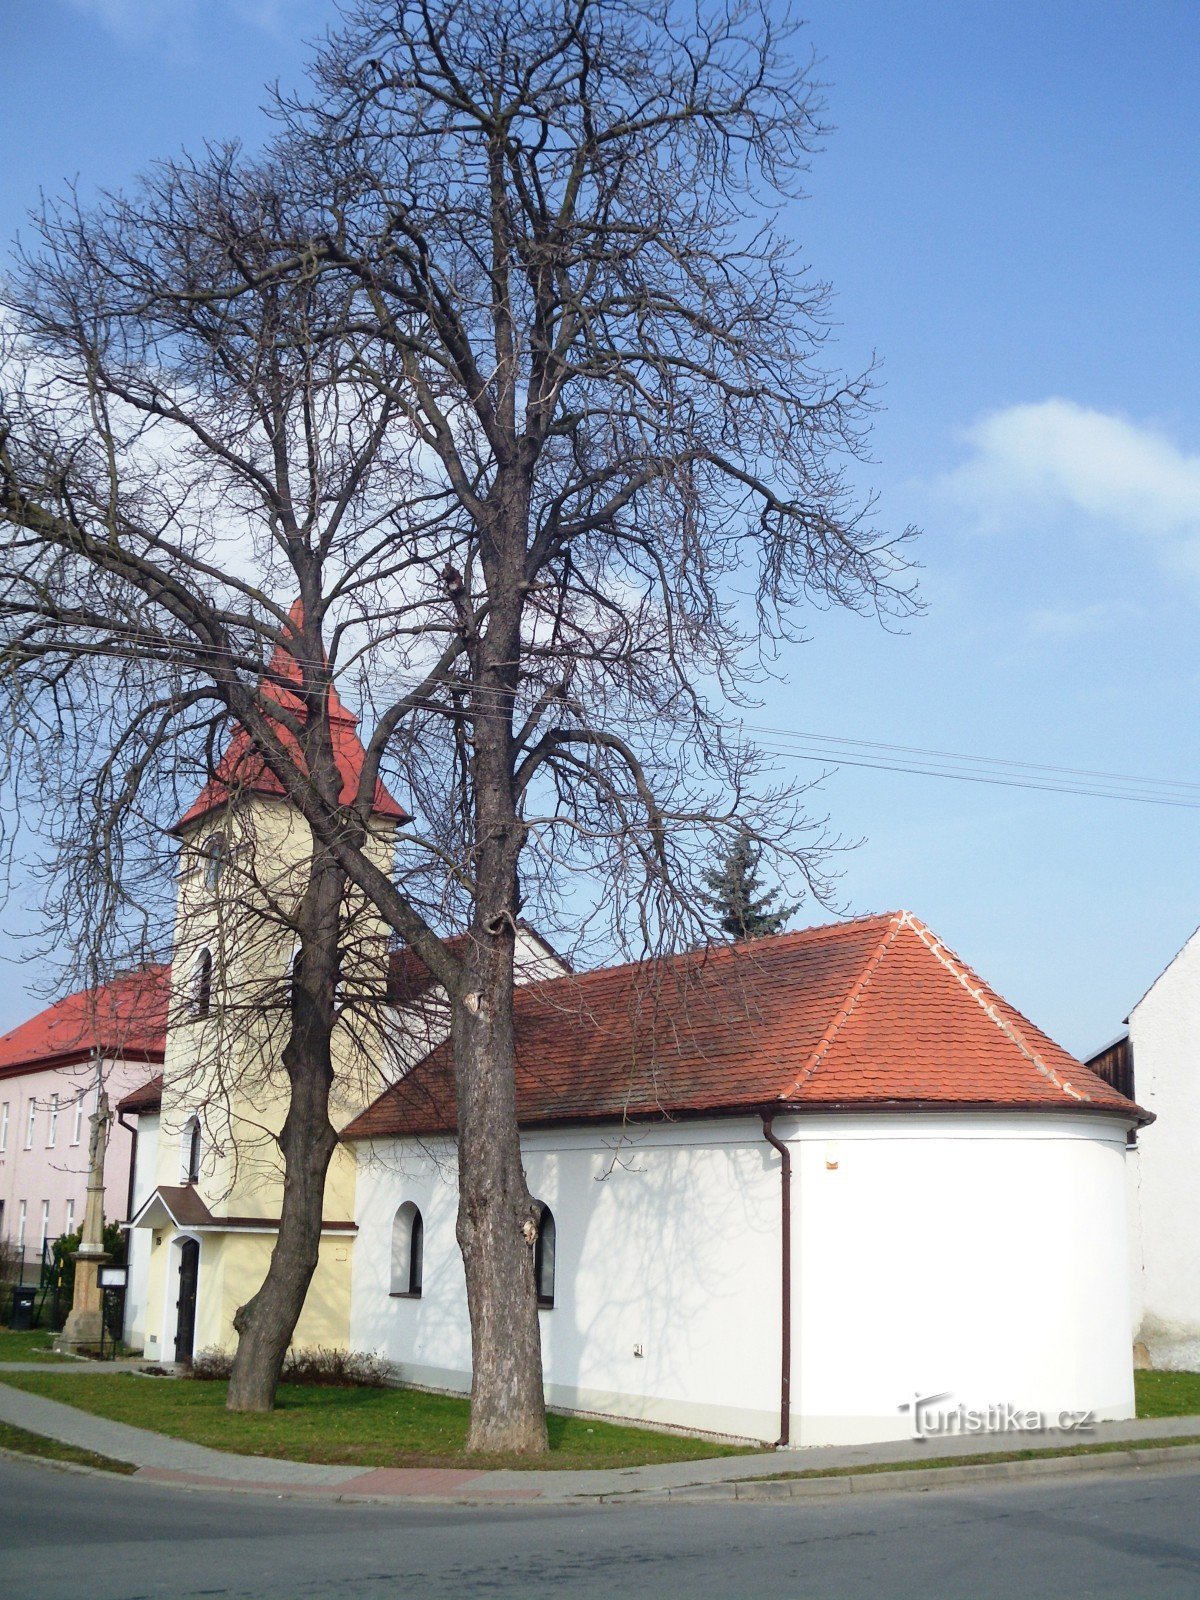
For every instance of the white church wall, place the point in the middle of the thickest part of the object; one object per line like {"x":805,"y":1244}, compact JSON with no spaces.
{"x":979,"y":1257}
{"x":138,"y":1239}
{"x":1164,"y":1030}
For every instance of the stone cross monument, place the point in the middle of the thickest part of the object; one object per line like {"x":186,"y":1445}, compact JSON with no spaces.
{"x":84,"y":1326}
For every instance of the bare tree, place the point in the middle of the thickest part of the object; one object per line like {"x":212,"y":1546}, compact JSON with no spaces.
{"x":539,"y":236}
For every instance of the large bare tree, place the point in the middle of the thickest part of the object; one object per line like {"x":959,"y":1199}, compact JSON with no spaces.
{"x":540,"y":236}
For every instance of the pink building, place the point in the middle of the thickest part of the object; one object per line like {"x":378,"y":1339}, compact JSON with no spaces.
{"x":49,"y":1072}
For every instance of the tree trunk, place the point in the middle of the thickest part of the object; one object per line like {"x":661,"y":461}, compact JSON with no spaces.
{"x":266,"y":1323}
{"x":307,"y":1140}
{"x":497,"y":1222}
{"x":496,"y":1215}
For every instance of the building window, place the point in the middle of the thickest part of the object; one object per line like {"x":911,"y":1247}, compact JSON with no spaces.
{"x":408,"y":1251}
{"x":216,"y":858}
{"x":21,"y":1216}
{"x":190,"y":1150}
{"x":31,"y":1125}
{"x":543,"y":1259}
{"x":3,"y":1128}
{"x":70,"y":1223}
{"x":200,"y":984}
{"x":77,"y":1130}
{"x":45,"y":1226}
{"x":52,"y":1130}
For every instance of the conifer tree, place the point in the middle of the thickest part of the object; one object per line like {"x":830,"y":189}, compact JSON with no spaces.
{"x":744,"y":912}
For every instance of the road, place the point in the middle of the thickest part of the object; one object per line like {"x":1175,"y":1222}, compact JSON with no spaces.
{"x":64,"y":1536}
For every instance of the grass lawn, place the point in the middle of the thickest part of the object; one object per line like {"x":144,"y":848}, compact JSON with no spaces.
{"x":33,"y":1444}
{"x":1167,"y":1394}
{"x":349,"y":1427}
{"x":34,"y":1346}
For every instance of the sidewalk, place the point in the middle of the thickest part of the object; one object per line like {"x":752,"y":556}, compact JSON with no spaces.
{"x":159,"y":1458}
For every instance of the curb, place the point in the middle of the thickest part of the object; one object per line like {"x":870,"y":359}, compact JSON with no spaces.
{"x":921,"y":1478}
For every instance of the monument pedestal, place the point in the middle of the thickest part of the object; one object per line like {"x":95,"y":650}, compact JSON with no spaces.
{"x":84,"y":1328}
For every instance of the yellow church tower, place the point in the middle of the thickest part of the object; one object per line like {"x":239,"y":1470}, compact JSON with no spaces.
{"x":214,"y":1212}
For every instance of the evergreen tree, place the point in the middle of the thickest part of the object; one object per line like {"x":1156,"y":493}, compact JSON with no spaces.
{"x":744,"y":913}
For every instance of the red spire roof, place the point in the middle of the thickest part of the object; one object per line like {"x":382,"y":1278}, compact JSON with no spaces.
{"x":242,"y":768}
{"x":875,"y":1012}
{"x":125,"y":1018}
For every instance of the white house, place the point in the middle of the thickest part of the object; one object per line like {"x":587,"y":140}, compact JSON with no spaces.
{"x":791,"y":1189}
{"x":1161,"y":1051}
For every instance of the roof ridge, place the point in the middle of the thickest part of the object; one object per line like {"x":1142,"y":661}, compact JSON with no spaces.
{"x":734,"y":949}
{"x":959,"y":969}
{"x":894,"y":923}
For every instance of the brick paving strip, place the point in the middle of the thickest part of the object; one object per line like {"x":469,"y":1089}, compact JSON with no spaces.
{"x":165,"y":1460}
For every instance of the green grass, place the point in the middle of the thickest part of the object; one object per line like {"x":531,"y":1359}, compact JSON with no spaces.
{"x":349,"y":1427}
{"x":34,"y":1346}
{"x":1167,"y":1394}
{"x":33,"y":1444}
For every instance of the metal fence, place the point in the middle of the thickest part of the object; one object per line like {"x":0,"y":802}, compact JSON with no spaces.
{"x":39,"y":1270}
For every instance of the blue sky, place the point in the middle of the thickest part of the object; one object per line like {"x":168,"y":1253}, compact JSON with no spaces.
{"x":1008,"y":213}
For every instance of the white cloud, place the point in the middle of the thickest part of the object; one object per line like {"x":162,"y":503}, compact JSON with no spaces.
{"x":1052,"y":457}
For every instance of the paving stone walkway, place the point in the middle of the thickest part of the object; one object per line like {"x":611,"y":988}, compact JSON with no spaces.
{"x":160,"y":1458}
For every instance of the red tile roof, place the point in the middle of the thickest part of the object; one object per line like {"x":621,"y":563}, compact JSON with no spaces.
{"x":242,"y":769}
{"x":873,"y":1012}
{"x":146,"y":1099}
{"x":125,"y":1018}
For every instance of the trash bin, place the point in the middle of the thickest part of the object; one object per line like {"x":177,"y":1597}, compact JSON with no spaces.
{"x":22,"y":1308}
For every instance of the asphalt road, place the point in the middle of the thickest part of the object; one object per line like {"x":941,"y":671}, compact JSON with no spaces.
{"x":70,"y":1537}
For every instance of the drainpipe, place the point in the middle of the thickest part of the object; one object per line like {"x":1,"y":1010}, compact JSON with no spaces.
{"x":133,"y":1144}
{"x":785,"y":1235}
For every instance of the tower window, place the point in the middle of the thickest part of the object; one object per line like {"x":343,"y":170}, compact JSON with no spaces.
{"x":191,"y":1150}
{"x":201,"y":983}
{"x":216,"y":858}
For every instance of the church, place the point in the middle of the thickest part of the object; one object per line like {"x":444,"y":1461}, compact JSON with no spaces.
{"x":793,"y":1190}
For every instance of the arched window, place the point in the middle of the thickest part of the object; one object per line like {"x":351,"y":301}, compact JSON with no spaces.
{"x":216,"y":856}
{"x":408,"y":1251}
{"x":543,"y":1258}
{"x":190,"y":1150}
{"x":200,"y":983}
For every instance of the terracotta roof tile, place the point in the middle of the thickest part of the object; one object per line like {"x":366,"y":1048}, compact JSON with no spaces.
{"x":127,"y":1017}
{"x":872,"y":1011}
{"x":241,"y":769}
{"x":146,"y":1099}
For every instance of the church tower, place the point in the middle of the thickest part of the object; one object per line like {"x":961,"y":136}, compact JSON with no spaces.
{"x":243,"y":862}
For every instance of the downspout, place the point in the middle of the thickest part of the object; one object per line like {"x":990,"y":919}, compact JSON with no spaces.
{"x":785,"y":1236}
{"x":133,"y":1144}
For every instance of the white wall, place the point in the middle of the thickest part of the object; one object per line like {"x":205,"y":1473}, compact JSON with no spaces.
{"x":1164,"y":1029}
{"x":984,"y":1255}
{"x":138,"y":1239}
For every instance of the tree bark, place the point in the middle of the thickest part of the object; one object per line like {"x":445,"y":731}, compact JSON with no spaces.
{"x":307,"y":1140}
{"x":496,"y":1216}
{"x":497,"y":1221}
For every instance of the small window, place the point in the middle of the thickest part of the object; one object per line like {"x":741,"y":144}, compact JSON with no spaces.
{"x":52,"y":1130}
{"x":408,"y":1251}
{"x":543,"y":1259}
{"x":31,"y":1125}
{"x":191,"y":1150}
{"x":201,"y":983}
{"x":3,"y":1128}
{"x":216,"y":858}
{"x":77,"y":1130}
